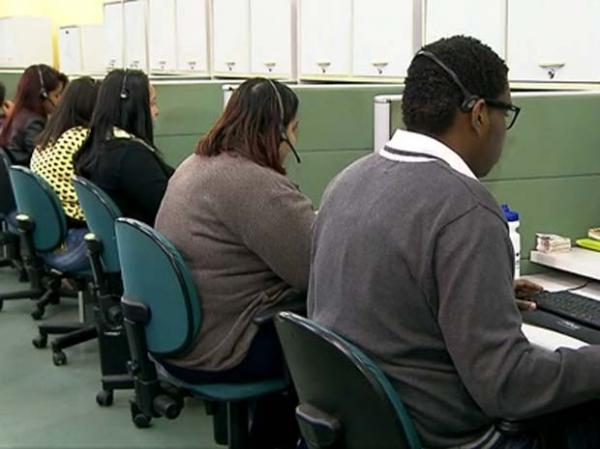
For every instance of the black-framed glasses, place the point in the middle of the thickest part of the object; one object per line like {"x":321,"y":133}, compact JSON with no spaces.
{"x":511,"y":112}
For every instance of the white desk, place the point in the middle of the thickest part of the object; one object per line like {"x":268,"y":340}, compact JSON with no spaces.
{"x":580,"y":261}
{"x":559,"y":281}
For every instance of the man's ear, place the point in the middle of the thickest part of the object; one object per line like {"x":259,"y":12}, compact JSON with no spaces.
{"x":479,"y":116}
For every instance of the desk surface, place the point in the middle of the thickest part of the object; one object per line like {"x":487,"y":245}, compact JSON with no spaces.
{"x":580,"y":261}
{"x":552,"y":282}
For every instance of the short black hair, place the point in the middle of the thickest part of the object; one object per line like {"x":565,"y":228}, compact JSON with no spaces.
{"x":431,"y":98}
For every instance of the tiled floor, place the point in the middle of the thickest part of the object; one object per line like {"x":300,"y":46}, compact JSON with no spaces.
{"x":43,"y":406}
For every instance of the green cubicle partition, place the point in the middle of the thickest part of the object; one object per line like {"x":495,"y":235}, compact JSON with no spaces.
{"x":336,"y":125}
{"x":550,"y":169}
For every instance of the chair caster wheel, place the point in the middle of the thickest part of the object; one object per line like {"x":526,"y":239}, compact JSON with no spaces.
{"x":140,"y":420}
{"x":37,"y":314}
{"x":104,"y":398}
{"x":40,"y":342}
{"x":59,"y":358}
{"x":1,"y":304}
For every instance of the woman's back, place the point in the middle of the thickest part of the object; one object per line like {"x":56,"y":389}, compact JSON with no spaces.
{"x":55,"y":164}
{"x":132,"y":174}
{"x":245,"y":232}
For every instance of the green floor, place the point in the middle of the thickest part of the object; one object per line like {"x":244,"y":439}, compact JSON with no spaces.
{"x":43,"y":406}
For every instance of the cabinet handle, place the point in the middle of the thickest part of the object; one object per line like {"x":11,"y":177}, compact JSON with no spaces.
{"x":551,"y":68}
{"x":270,"y":66}
{"x":324,"y":65}
{"x":134,"y":64}
{"x":380,"y":65}
{"x":111,"y":63}
{"x":230,"y":65}
{"x":192,"y":65}
{"x":162,"y":64}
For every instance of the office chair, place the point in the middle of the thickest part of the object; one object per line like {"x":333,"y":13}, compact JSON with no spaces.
{"x":163,"y":318}
{"x":345,"y":400}
{"x":43,"y":227}
{"x":9,"y":237}
{"x":100,"y":214}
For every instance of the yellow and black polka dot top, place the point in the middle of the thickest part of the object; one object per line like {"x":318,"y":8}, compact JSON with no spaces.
{"x":55,"y":164}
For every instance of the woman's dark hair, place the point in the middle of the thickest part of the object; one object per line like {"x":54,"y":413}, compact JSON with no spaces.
{"x":75,"y":109}
{"x":29,"y":99}
{"x":253,"y":123}
{"x":123,"y":102}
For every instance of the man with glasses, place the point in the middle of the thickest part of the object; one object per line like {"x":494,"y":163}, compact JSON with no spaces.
{"x":412,"y":261}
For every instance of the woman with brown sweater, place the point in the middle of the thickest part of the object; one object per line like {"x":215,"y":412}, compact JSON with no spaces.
{"x":244,"y":229}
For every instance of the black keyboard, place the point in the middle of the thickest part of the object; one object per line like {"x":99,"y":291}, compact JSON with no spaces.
{"x":571,"y":306}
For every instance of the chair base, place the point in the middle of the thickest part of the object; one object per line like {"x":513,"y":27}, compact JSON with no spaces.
{"x":71,"y":335}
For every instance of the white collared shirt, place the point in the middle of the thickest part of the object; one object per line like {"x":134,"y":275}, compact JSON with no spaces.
{"x":422,"y":146}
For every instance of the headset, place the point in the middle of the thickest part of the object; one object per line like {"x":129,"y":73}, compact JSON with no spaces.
{"x":281,"y":125}
{"x":469,"y":99}
{"x":43,"y":91}
{"x":124,"y":95}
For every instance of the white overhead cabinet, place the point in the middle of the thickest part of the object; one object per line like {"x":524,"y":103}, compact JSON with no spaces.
{"x":69,"y":47}
{"x":553,"y":40}
{"x":231,"y":35}
{"x":325,"y":38}
{"x":192,"y":35}
{"x":483,"y":19}
{"x":383,"y":36}
{"x":81,"y":49}
{"x":271,"y":37}
{"x":135,"y":35}
{"x":113,"y":35}
{"x":162,"y":42}
{"x":18,"y":48}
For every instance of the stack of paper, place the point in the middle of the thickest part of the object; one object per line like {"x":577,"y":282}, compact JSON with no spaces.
{"x":552,"y":243}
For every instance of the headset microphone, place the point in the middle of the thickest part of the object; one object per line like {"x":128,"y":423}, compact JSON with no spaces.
{"x":283,"y":134}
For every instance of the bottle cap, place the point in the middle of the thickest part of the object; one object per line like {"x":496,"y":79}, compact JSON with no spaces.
{"x":510,"y":215}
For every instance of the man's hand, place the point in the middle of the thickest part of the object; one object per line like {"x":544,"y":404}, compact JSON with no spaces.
{"x":524,"y":292}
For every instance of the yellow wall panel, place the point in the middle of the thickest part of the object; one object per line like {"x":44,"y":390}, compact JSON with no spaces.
{"x":62,"y":12}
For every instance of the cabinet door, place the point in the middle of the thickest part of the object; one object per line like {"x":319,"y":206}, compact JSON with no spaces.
{"x":325,"y":37}
{"x":485,"y":20}
{"x":271,"y":37}
{"x":231,"y":36}
{"x":192,"y":26}
{"x":135,"y":35}
{"x":69,"y":46}
{"x":383,"y":37}
{"x":162,"y":35}
{"x":113,"y":35}
{"x":4,"y":36}
{"x":559,"y":45}
{"x":92,"y":48}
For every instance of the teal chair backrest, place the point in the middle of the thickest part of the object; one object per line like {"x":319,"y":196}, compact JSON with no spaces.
{"x":36,"y":199}
{"x":100,"y":214}
{"x":335,"y":377}
{"x":155,"y":275}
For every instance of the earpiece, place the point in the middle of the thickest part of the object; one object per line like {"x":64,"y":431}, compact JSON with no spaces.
{"x":469,"y":99}
{"x":43,"y":91}
{"x":124,"y":92}
{"x":281,"y":125}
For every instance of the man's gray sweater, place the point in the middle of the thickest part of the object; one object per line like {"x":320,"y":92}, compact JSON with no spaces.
{"x":413,"y":263}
